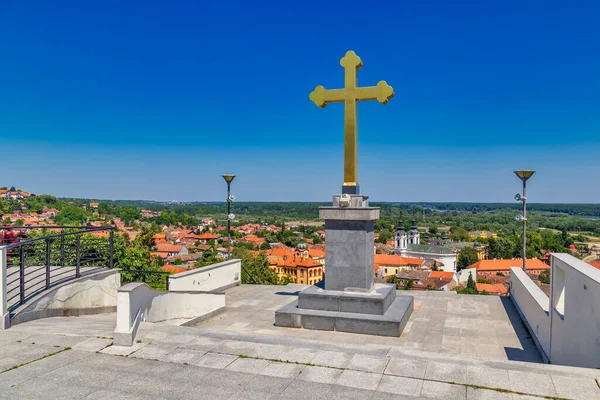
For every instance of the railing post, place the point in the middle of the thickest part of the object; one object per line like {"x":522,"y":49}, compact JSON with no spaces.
{"x":167,"y":283}
{"x":62,"y":249}
{"x":47,"y":264}
{"x":4,"y":316}
{"x":111,"y":240}
{"x":77,"y":256}
{"x":21,"y":274}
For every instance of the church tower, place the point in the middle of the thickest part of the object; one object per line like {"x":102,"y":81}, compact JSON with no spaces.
{"x":401,"y":241}
{"x":414,"y":237}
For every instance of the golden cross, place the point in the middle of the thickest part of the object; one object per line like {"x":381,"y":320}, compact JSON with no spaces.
{"x":350,"y":94}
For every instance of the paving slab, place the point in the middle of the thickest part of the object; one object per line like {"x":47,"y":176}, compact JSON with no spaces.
{"x":320,"y":374}
{"x":406,"y":367}
{"x":332,"y":359}
{"x":576,"y":388}
{"x":349,"y":393}
{"x":305,"y":390}
{"x":488,"y":377}
{"x":366,"y":363}
{"x":152,"y":352}
{"x":93,"y":344}
{"x":531,"y":383}
{"x":282,"y":370}
{"x":182,"y":356}
{"x":123,"y":350}
{"x":439,"y":371}
{"x":248,"y":365}
{"x":299,"y":354}
{"x":263,"y":387}
{"x":440,"y":390}
{"x":214,"y":360}
{"x":359,"y":380}
{"x":400,"y":385}
{"x":482,"y":394}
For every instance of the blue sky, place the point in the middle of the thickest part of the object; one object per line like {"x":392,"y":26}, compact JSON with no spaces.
{"x":151,"y":99}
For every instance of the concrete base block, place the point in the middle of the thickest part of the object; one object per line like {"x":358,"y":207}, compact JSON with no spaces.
{"x":391,"y":323}
{"x":374,"y":302}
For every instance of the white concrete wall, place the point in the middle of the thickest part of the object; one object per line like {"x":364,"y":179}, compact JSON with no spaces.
{"x":533,"y":306}
{"x":211,"y":278}
{"x":137,"y":302}
{"x":575,"y":333}
{"x":93,"y":293}
{"x":570,"y":333}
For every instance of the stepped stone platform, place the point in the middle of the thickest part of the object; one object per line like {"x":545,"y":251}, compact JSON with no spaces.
{"x":377,"y":312}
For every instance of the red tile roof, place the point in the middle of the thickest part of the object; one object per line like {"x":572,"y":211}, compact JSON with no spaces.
{"x":441,"y":274}
{"x":172,"y":268}
{"x":490,"y":288}
{"x":505,"y":265}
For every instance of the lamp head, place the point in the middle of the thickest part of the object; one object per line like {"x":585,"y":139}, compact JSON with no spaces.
{"x":228,"y":177}
{"x":231,"y":217}
{"x":524,"y":174}
{"x":520,"y":218}
{"x":518,"y":197}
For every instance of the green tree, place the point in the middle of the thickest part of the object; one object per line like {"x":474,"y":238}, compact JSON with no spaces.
{"x":544,"y":276}
{"x":265,"y":246}
{"x":286,"y":279}
{"x":434,"y":267}
{"x":459,"y":234}
{"x":19,"y":222}
{"x":471,"y":282}
{"x":408,"y":284}
{"x":467,"y":256}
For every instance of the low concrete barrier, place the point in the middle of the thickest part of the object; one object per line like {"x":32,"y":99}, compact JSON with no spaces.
{"x":534,"y":307}
{"x":137,"y":302}
{"x":93,"y":293}
{"x":212,"y":278}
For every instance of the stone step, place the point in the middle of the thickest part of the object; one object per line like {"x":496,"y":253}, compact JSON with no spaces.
{"x":391,"y":323}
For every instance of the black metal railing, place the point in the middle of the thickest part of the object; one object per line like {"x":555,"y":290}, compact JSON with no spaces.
{"x":155,"y":279}
{"x":38,"y":263}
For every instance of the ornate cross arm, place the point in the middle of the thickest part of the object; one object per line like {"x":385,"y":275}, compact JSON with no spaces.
{"x":321,"y":96}
{"x":382,"y":92}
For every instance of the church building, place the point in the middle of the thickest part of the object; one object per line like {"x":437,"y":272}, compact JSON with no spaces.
{"x":408,"y":244}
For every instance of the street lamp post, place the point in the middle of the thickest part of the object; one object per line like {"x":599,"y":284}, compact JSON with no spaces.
{"x":523,"y":175}
{"x":229,"y":178}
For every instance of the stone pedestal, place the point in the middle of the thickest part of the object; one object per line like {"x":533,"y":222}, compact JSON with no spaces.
{"x":349,"y":300}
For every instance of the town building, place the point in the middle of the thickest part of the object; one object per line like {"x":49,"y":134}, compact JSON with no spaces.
{"x":534,"y":266}
{"x":409,"y":245}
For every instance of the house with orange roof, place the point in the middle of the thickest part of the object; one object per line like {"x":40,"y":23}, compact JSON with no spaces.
{"x":534,"y":266}
{"x":496,"y":289}
{"x":385,"y":265}
{"x":206,"y":237}
{"x":164,"y":250}
{"x":159,"y":237}
{"x":172,"y":269}
{"x":303,"y":270}
{"x":255,"y":240}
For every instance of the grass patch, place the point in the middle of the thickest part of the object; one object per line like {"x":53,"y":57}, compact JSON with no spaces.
{"x":138,"y":341}
{"x":37,"y":359}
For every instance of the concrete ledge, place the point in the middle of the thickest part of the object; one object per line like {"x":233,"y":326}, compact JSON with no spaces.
{"x":392,"y":323}
{"x":212,"y":278}
{"x":137,"y":302}
{"x":377,"y":301}
{"x":349,"y":213}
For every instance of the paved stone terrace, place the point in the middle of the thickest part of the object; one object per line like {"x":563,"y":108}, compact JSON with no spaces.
{"x":240,"y":355}
{"x":172,"y":362}
{"x":442,"y":323}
